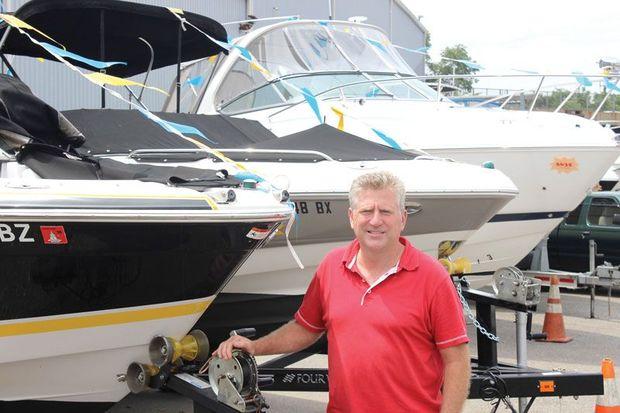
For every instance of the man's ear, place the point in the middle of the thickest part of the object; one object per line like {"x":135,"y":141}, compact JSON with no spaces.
{"x":404,"y":217}
{"x":350,"y":213}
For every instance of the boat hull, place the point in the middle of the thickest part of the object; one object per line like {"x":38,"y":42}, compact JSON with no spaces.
{"x":75,"y":312}
{"x":541,"y":204}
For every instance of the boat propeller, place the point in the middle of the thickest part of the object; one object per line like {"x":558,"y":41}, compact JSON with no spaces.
{"x":192,"y":347}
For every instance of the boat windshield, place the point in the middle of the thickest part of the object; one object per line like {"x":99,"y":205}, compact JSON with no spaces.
{"x":194,"y":80}
{"x":333,"y":60}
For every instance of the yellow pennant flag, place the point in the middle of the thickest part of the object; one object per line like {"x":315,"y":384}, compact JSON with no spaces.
{"x":175,"y":10}
{"x":20,"y":24}
{"x":340,"y":115}
{"x":260,"y":68}
{"x":103,"y":79}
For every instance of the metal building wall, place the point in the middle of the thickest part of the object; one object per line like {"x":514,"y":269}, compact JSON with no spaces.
{"x":64,"y":89}
{"x":406,"y":34}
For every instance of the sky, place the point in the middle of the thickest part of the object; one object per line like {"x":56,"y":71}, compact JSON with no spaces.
{"x":546,"y":36}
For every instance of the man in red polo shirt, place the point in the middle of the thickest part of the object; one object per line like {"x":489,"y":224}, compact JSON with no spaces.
{"x":395,"y":328}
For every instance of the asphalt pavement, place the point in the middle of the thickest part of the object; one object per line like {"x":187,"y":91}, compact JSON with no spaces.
{"x":593,"y":339}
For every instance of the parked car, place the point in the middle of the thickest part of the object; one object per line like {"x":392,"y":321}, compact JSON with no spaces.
{"x":597,"y":218}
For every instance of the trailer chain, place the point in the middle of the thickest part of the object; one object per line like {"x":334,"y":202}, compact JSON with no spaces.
{"x":471,"y":316}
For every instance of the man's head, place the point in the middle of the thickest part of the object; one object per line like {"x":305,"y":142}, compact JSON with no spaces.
{"x":377,"y":210}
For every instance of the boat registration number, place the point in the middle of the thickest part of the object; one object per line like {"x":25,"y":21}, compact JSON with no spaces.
{"x":15,"y":232}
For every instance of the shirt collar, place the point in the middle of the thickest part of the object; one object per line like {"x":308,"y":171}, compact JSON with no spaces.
{"x":408,"y":260}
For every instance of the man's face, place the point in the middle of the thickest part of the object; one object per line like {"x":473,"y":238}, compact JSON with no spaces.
{"x":377,"y":219}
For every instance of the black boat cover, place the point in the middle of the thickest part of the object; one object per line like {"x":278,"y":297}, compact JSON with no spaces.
{"x":24,"y":117}
{"x":76,"y":24}
{"x":117,"y":131}
{"x":52,"y":163}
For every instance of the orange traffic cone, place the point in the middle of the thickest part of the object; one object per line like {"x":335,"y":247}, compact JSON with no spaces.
{"x":609,"y":401}
{"x":553,"y":325}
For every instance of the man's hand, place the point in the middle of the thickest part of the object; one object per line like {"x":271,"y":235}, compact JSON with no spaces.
{"x":225,"y":349}
{"x":289,"y":338}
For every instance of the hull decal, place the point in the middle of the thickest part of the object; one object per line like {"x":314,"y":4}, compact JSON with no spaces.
{"x":528,"y":216}
{"x":106,"y":319}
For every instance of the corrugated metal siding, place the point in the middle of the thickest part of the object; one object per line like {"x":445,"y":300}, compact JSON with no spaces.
{"x":306,"y":10}
{"x":377,"y":11}
{"x":406,"y":34}
{"x":64,"y":89}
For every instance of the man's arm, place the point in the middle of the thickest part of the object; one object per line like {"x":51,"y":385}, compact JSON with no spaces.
{"x":457,"y":372}
{"x":289,"y":338}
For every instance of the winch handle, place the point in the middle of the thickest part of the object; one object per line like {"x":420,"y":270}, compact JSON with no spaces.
{"x":248,"y":332}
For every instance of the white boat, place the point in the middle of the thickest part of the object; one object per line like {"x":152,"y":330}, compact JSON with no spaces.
{"x":447,"y":201}
{"x":362,"y":84}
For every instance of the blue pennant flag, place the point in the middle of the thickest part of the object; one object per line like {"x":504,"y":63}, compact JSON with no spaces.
{"x":373,"y":92}
{"x":186,"y":129}
{"x":583,"y":81}
{"x":312,"y":102}
{"x":195,"y":81}
{"x":469,"y":64}
{"x":92,"y":63}
{"x":244,"y":52}
{"x":243,"y":175}
{"x":391,"y":142}
{"x":611,"y":86}
{"x":377,"y":45}
{"x":529,"y":72}
{"x":223,"y":45}
{"x":171,"y":126}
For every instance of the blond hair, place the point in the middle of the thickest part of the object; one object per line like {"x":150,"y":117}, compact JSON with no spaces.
{"x":377,"y":181}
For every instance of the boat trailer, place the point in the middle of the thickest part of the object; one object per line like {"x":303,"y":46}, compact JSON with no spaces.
{"x":605,"y":275}
{"x":232,"y":386}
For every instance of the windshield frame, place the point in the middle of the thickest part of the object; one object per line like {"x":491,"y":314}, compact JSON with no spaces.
{"x":285,"y":28}
{"x":399,"y":77}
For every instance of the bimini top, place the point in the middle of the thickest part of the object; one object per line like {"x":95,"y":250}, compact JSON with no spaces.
{"x":77,"y":25}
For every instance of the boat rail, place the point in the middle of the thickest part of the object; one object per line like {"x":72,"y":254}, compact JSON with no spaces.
{"x":140,"y":152}
{"x":5,"y":156}
{"x":440,"y":85}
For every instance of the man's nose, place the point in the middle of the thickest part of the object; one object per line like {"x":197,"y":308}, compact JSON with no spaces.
{"x":376,"y":218}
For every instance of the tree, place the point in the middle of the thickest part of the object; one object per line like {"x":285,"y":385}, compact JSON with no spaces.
{"x":449,"y":66}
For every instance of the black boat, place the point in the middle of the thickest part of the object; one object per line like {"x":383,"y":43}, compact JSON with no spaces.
{"x":97,"y":256}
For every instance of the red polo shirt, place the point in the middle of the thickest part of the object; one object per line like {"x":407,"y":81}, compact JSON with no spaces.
{"x":384,"y":341}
